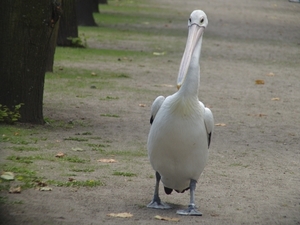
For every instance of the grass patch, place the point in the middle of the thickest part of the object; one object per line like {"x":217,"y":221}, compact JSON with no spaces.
{"x":85,"y":170}
{"x":73,"y":159}
{"x":25,"y":159}
{"x":4,"y":200}
{"x":109,"y":98}
{"x":239,"y":164}
{"x":127,"y":153}
{"x":98,"y":147}
{"x":17,"y":135}
{"x":75,"y":139}
{"x":25,"y":176}
{"x":75,"y":183}
{"x":124,"y":174}
{"x":110,"y":115}
{"x":86,"y":133}
{"x":65,"y":124}
{"x":23,"y":148}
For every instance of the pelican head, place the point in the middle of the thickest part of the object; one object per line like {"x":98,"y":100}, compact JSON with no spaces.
{"x":196,"y":24}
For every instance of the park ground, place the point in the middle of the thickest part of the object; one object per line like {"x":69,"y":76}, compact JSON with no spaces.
{"x":89,"y":162}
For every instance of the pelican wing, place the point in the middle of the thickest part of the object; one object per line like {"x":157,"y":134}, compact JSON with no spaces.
{"x":155,"y":107}
{"x":209,"y":123}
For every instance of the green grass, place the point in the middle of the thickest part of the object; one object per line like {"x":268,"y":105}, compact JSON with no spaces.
{"x":26,"y":177}
{"x":109,"y":115}
{"x":85,"y":170}
{"x":75,"y":139}
{"x":24,"y":148}
{"x":73,"y":159}
{"x":239,"y":164}
{"x":109,"y":98}
{"x":75,"y":183}
{"x":4,"y":200}
{"x":124,"y":174}
{"x":25,"y":159}
{"x":98,"y":147}
{"x":127,"y":153}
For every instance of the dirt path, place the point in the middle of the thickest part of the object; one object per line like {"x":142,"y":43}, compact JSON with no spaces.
{"x":253,"y":174}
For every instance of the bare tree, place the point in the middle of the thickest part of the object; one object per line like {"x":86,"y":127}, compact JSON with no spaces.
{"x":68,"y":23}
{"x":84,"y":10}
{"x":26,"y":28}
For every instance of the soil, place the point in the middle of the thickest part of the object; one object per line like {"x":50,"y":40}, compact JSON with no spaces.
{"x":253,"y":173}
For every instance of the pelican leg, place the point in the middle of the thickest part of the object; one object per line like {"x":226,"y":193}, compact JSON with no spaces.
{"x":156,"y":203}
{"x":192,"y":209}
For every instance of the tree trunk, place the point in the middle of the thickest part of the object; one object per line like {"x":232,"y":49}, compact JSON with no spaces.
{"x":84,"y":10}
{"x":68,"y":23}
{"x":95,"y":6}
{"x":26,"y":28}
{"x":53,"y":39}
{"x":102,"y":1}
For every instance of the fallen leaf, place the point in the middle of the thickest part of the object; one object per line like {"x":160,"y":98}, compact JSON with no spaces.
{"x":167,"y":218}
{"x":107,"y":160}
{"x":71,"y":179}
{"x":275,"y":99}
{"x":164,"y":85}
{"x":60,"y":155}
{"x":121,"y":215}
{"x":261,"y":115}
{"x":142,"y":105}
{"x":78,"y":149}
{"x":8,"y":176}
{"x":220,"y":124}
{"x":270,"y":74}
{"x":259,"y":82}
{"x":93,"y":74}
{"x":159,"y":53}
{"x":14,"y":190}
{"x":45,"y":189}
{"x":41,"y":184}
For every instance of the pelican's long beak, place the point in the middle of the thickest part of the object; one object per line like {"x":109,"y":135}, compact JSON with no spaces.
{"x":195,"y":33}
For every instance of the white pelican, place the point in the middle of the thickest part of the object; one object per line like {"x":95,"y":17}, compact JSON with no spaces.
{"x":182,"y":126}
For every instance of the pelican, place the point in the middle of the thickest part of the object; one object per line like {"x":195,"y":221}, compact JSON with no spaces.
{"x":181,"y":126}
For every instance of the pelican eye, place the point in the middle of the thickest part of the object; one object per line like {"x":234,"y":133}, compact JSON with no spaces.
{"x":202,"y":20}
{"x":190,"y":20}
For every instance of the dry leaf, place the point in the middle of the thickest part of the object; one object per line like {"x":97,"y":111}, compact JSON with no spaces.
{"x":261,"y":115}
{"x":166,"y":218}
{"x":270,"y":74}
{"x":121,"y":215}
{"x":107,"y":160}
{"x":45,"y":189}
{"x":159,"y":53}
{"x":8,"y":176}
{"x":15,"y":190}
{"x":71,"y":179}
{"x":275,"y":99}
{"x":41,"y":184}
{"x":164,"y":85}
{"x":142,"y":105}
{"x":78,"y":149}
{"x":60,"y":155}
{"x":220,"y":124}
{"x":259,"y":82}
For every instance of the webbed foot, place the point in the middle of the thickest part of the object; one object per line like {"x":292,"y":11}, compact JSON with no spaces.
{"x":190,"y":211}
{"x":158,"y":205}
